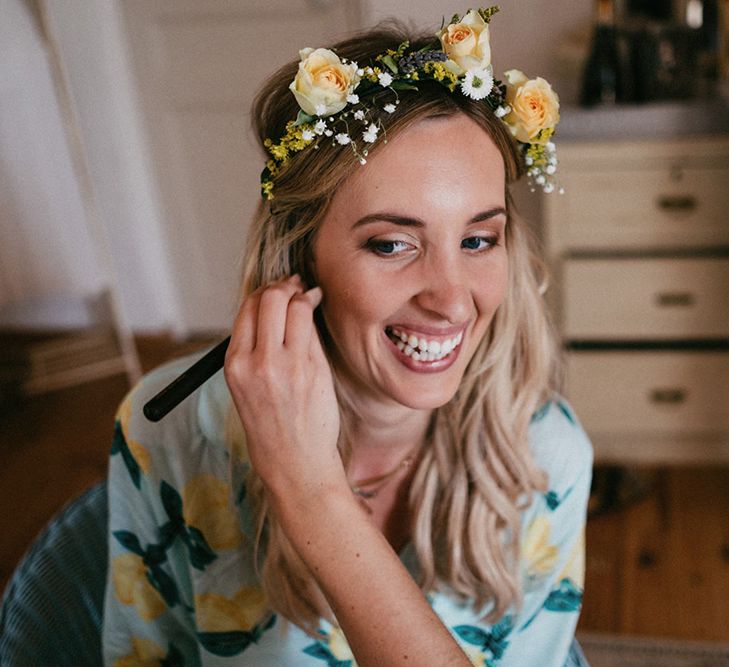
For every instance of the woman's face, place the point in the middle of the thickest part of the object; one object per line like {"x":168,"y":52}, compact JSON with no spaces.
{"x":412,"y":261}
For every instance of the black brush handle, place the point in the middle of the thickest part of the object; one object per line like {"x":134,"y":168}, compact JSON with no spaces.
{"x":181,"y":387}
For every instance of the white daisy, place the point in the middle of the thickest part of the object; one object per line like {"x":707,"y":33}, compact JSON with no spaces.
{"x":477,"y":84}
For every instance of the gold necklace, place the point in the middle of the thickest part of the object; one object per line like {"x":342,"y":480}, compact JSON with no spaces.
{"x":370,"y":487}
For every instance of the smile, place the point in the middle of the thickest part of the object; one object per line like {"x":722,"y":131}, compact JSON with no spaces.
{"x":421,"y":348}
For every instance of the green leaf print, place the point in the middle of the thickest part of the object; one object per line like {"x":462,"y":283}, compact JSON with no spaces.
{"x":174,"y":658}
{"x":165,"y":584}
{"x":129,"y":541}
{"x":567,"y":412}
{"x":201,"y":555}
{"x":493,"y":641}
{"x":171,"y":501}
{"x":119,"y":446}
{"x":552,"y":500}
{"x":566,"y":597}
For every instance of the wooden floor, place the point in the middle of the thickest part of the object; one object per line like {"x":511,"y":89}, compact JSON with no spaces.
{"x":658,"y":562}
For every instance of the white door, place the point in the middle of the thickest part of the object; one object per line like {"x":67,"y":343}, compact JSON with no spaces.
{"x":198,"y":66}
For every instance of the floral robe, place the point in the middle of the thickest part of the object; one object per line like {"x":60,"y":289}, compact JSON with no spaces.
{"x":182,"y":589}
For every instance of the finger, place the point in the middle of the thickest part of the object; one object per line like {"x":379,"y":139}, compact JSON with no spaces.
{"x":300,"y":320}
{"x":243,"y":335}
{"x":272,"y":313}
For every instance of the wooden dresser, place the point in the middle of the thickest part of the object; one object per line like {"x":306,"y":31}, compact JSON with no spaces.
{"x":639,"y":252}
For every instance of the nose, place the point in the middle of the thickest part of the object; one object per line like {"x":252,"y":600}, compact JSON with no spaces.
{"x":444,"y":291}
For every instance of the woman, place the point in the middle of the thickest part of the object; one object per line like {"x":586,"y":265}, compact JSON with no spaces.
{"x":385,"y":473}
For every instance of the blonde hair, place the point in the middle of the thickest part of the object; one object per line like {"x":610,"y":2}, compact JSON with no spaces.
{"x":477,"y":473}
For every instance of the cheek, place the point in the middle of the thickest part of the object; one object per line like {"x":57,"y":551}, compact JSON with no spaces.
{"x":493,"y":291}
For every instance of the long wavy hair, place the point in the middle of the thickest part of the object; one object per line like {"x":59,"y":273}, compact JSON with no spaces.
{"x":476,"y":473}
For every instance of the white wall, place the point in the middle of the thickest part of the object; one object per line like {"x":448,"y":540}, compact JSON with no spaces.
{"x":94,"y":49}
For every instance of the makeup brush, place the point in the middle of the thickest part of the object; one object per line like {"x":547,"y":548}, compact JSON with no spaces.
{"x":181,"y":387}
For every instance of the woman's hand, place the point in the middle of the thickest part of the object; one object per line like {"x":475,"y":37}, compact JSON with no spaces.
{"x":282,"y":387}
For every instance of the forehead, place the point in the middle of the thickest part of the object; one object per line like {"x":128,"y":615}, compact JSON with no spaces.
{"x":445,"y":163}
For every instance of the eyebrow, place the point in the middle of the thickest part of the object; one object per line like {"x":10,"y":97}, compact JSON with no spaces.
{"x":405,"y":221}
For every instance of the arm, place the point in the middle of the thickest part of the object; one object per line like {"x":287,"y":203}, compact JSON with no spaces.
{"x":292,"y":425}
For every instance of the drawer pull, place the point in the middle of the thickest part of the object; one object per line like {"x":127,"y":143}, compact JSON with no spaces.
{"x":675,"y":299}
{"x":668,"y":396}
{"x":677,"y":203}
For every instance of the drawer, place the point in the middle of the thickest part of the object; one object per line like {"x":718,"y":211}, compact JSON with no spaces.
{"x":639,"y":299}
{"x":641,"y":197}
{"x":672,"y":393}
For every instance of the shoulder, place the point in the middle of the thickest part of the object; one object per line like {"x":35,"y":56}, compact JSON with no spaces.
{"x":559,"y":444}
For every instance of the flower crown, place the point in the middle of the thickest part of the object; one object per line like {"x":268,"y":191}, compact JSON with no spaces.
{"x":332,"y":94}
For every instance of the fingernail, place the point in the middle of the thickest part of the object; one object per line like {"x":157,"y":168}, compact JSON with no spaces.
{"x":315,"y":294}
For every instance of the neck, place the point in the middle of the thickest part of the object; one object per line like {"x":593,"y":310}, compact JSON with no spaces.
{"x":382,"y":435}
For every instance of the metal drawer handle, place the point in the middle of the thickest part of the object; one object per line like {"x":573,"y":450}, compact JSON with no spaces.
{"x":675,"y":299}
{"x":677,"y":203}
{"x":668,"y":396}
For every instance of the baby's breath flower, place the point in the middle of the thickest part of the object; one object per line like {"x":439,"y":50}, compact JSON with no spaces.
{"x":320,"y":126}
{"x":307,"y":134}
{"x":390,"y":108}
{"x":370,"y":134}
{"x":385,"y":79}
{"x":502,"y":111}
{"x":359,"y":114}
{"x":342,"y":138}
{"x":353,"y":98}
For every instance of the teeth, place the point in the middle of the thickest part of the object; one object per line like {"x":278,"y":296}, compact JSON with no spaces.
{"x":422,"y":349}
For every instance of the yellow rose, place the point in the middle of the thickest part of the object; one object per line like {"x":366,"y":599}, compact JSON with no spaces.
{"x":534,"y":107}
{"x":539,"y":555}
{"x":131,"y":585}
{"x":217,"y":613}
{"x":146,"y":653}
{"x":467,"y":43}
{"x":323,"y":82}
{"x":206,"y":506}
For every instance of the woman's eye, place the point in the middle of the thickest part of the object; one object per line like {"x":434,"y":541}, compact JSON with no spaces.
{"x":383,"y":247}
{"x":479,"y":242}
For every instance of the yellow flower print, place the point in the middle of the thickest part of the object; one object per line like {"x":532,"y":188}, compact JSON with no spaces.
{"x":574,"y":569}
{"x":538,"y":554}
{"x":217,"y":613}
{"x":206,"y":505}
{"x":132,"y":586}
{"x":146,"y":653}
{"x":339,"y":647}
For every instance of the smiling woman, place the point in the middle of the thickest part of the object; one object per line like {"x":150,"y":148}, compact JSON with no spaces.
{"x":387,"y":456}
